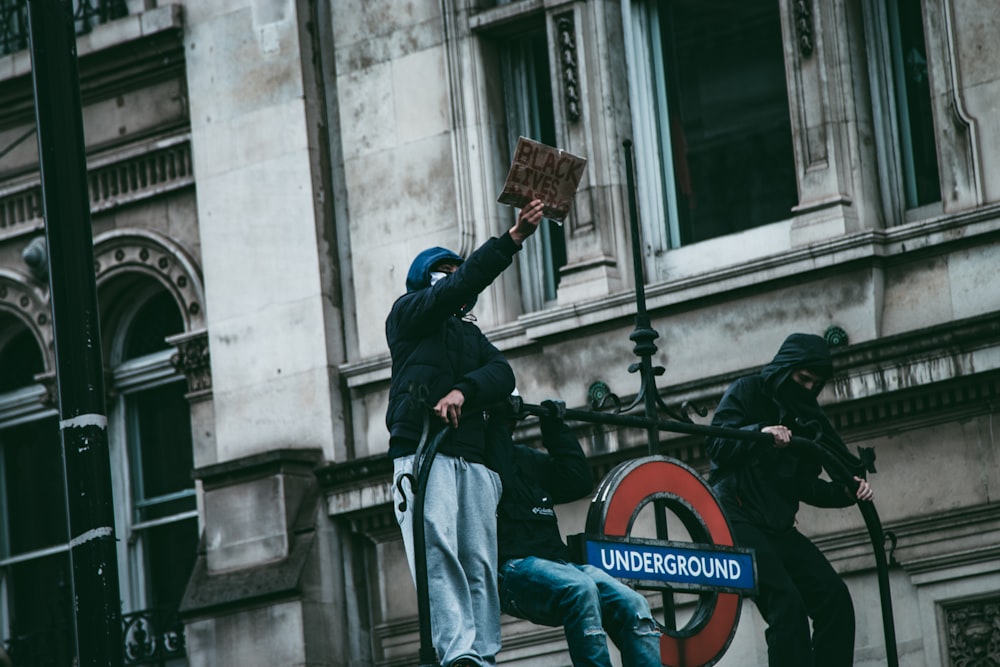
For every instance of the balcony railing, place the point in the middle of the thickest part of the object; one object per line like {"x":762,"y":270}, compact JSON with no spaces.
{"x":152,"y":637}
{"x":86,"y":14}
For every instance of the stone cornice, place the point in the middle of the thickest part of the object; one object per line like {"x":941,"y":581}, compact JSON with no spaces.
{"x":872,"y":247}
{"x":923,"y":544}
{"x":115,"y":178}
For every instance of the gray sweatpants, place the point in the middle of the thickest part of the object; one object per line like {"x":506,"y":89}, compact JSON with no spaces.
{"x":460,"y":529}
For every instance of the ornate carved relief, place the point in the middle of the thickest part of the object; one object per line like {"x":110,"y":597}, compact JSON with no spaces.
{"x":973,"y":632}
{"x":803,"y":27}
{"x":193,"y":359}
{"x":567,"y":58}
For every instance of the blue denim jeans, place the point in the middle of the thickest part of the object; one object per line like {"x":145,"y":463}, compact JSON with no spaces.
{"x":588,"y":603}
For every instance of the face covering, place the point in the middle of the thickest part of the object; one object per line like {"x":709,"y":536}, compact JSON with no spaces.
{"x":436,"y":276}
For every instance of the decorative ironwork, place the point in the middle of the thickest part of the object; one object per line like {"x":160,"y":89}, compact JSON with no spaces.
{"x":13,"y":26}
{"x":153,"y":637}
{"x":974,"y":633}
{"x":803,"y":27}
{"x":567,"y":54}
{"x":86,"y":15}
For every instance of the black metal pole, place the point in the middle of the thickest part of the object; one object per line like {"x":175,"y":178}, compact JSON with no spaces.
{"x":79,"y":363}
{"x":422,"y":462}
{"x":643,"y":336}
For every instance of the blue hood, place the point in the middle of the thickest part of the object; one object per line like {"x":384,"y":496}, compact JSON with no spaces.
{"x":419,"y":275}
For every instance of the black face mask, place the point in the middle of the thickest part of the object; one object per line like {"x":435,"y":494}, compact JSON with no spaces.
{"x":792,"y":394}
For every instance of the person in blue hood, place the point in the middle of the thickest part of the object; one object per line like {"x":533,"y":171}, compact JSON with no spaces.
{"x":760,"y":487}
{"x":443,"y":362}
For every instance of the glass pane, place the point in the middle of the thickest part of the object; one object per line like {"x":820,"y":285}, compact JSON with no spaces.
{"x":20,"y":360}
{"x":41,"y":612}
{"x":158,"y":318}
{"x":913,"y":104}
{"x":170,"y":552}
{"x":530,"y":113}
{"x":161,"y":446}
{"x":727,"y":115}
{"x":34,"y":486}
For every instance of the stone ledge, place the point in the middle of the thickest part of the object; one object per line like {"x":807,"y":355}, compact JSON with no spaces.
{"x":210,"y":594}
{"x":276,"y":461}
{"x":120,"y":31}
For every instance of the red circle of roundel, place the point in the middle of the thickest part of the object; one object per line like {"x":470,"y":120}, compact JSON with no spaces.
{"x":657,"y":475}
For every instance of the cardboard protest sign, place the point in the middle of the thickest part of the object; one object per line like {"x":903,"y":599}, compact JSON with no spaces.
{"x":543,"y":172}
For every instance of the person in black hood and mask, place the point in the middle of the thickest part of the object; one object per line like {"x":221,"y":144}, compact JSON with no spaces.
{"x":439,"y":353}
{"x":760,"y":487}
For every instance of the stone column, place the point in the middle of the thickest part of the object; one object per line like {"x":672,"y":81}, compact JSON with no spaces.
{"x":590,"y":94}
{"x":260,"y":213}
{"x":261,"y":164}
{"x":837,"y":172}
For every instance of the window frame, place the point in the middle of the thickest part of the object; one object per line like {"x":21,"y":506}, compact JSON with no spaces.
{"x":667,"y":256}
{"x":127,"y":378}
{"x":886,"y":117}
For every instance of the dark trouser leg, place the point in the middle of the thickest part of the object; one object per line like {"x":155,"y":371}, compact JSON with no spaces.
{"x":779,"y":602}
{"x":826,"y":598}
{"x":797,"y":583}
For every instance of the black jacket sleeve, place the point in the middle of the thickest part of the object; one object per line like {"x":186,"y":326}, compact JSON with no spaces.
{"x":492,"y":381}
{"x":416,"y":313}
{"x":737,"y":409}
{"x":565,"y":472}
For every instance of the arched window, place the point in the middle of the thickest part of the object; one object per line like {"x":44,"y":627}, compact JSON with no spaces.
{"x":36,"y":601}
{"x":151,"y":444}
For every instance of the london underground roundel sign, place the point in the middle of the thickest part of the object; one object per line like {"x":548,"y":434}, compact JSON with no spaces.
{"x":710,"y":565}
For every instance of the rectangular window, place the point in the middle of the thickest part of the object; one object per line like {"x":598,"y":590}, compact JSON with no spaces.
{"x":901,"y":109}
{"x":164,"y":532}
{"x":711,"y":122}
{"x":913,"y":104}
{"x":528,"y":103}
{"x":36,"y":596}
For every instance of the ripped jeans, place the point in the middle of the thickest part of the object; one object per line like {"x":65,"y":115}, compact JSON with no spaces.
{"x":588,"y":603}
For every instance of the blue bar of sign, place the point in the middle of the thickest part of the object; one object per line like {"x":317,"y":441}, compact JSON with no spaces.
{"x":672,"y":565}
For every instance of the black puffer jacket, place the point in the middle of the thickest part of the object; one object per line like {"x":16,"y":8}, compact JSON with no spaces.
{"x":434,"y":348}
{"x":533,"y":483}
{"x":756,"y":482}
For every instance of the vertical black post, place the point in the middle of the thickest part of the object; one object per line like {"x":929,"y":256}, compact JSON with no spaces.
{"x":643,"y":336}
{"x":79,"y":365}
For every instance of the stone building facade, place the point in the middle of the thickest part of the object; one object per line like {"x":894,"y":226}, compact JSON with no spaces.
{"x":262,"y":172}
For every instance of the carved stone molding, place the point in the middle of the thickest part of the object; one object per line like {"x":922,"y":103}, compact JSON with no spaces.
{"x":973,"y":630}
{"x":139,"y":251}
{"x":30,"y":304}
{"x":803,"y":27}
{"x":567,"y":60}
{"x":114,"y":180}
{"x":193,"y":359}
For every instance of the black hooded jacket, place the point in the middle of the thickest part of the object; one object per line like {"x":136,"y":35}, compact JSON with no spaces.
{"x":756,"y":482}
{"x":533,"y":483}
{"x":434,"y":348}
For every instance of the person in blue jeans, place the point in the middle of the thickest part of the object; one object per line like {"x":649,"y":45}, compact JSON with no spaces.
{"x":537,"y":580}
